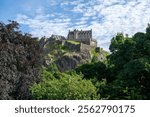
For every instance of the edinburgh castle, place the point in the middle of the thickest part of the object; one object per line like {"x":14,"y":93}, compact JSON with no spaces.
{"x":84,"y":37}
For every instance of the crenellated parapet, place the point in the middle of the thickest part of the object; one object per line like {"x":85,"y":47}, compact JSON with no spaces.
{"x":84,"y":36}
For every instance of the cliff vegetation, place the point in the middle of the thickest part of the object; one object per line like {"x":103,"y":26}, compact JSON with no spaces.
{"x":50,"y":68}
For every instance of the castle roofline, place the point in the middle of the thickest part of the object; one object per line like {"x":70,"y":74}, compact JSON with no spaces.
{"x":80,"y":30}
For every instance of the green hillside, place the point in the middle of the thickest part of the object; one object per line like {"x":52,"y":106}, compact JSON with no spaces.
{"x":58,"y":69}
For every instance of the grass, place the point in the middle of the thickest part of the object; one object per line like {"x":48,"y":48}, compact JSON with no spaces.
{"x":94,"y":53}
{"x":73,"y":42}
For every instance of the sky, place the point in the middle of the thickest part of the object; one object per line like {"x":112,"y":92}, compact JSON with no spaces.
{"x":105,"y":17}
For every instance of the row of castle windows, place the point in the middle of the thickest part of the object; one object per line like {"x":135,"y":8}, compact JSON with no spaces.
{"x":82,"y":34}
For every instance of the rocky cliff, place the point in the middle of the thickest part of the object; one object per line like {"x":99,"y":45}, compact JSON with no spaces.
{"x":69,"y":62}
{"x":67,"y":55}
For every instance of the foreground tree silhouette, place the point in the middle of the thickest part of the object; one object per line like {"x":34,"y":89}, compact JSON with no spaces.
{"x":20,"y":62}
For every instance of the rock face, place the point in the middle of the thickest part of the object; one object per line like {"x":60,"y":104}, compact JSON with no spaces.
{"x":20,"y":62}
{"x":68,"y":55}
{"x":67,"y":62}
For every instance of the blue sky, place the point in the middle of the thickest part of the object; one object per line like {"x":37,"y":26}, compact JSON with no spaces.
{"x":104,"y":17}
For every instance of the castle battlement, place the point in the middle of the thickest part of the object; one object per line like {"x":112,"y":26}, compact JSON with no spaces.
{"x":83,"y":36}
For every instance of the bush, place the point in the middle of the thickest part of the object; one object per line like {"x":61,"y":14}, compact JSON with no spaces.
{"x":63,"y":86}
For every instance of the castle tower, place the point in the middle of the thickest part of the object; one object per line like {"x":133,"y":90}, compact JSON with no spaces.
{"x":83,"y":36}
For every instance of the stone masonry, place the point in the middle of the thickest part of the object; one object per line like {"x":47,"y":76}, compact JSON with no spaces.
{"x":83,"y":37}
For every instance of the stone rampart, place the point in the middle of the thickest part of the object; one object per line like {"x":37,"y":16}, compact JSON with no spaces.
{"x":72,"y":47}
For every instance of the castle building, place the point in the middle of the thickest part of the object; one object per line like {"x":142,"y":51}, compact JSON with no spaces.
{"x":58,"y":37}
{"x":84,"y":37}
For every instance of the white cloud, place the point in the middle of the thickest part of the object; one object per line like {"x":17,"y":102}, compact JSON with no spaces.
{"x":77,"y":2}
{"x":104,"y":17}
{"x":118,"y":16}
{"x":64,"y":3}
{"x":53,"y":2}
{"x":44,"y":27}
{"x":79,"y":8}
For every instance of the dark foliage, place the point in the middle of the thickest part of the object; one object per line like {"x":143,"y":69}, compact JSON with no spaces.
{"x":20,"y":62}
{"x":96,"y":70}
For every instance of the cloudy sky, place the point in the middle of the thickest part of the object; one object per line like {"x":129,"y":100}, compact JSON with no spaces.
{"x":104,"y":17}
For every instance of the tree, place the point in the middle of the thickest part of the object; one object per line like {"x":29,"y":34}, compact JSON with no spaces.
{"x":96,"y":70}
{"x":63,"y":86}
{"x":21,"y":58}
{"x":130,"y":66}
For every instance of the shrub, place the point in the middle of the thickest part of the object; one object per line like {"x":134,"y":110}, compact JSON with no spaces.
{"x":63,"y":86}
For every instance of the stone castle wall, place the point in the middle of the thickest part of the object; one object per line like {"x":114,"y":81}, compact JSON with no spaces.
{"x":85,"y":47}
{"x":72,"y":47}
{"x":93,"y":43}
{"x":81,"y":36}
{"x":84,"y":37}
{"x":77,"y":47}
